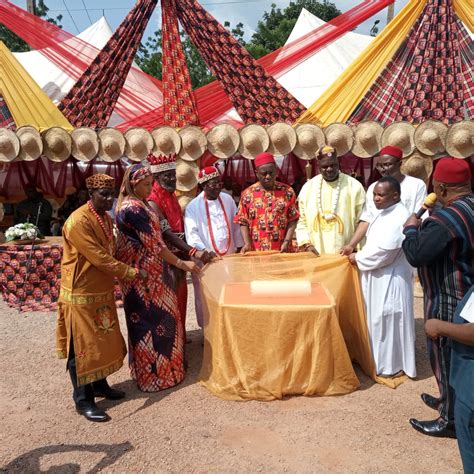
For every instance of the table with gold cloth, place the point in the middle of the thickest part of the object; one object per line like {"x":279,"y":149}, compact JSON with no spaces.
{"x":30,"y":277}
{"x":258,"y":349}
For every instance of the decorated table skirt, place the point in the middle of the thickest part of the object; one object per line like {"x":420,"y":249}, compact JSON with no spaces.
{"x":30,"y":277}
{"x":265,"y":349}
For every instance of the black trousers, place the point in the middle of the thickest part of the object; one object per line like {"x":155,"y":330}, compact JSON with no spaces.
{"x":83,"y":395}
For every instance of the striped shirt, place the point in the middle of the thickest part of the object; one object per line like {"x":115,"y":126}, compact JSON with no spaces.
{"x":443,"y":252}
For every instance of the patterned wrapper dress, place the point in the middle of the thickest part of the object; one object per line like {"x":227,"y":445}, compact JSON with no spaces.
{"x":155,"y":331}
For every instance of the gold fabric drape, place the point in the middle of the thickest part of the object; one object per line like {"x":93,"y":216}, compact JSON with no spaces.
{"x":264,"y":350}
{"x":465,"y":11}
{"x":338,"y":102}
{"x":27,"y":103}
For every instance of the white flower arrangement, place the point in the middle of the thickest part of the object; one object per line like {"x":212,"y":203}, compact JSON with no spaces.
{"x":23,"y":232}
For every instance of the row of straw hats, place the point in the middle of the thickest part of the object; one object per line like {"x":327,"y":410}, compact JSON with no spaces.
{"x":223,"y":141}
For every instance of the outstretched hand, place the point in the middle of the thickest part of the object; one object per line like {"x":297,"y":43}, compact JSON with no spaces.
{"x":346,"y":250}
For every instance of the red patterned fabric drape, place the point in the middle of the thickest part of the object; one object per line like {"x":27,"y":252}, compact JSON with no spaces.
{"x":257,"y":97}
{"x":6,"y":119}
{"x":430,"y":76}
{"x":179,"y":108}
{"x":92,"y":99}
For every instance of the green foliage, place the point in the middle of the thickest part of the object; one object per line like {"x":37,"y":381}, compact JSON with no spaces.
{"x":15,"y":43}
{"x":272,"y":32}
{"x":276,"y":25}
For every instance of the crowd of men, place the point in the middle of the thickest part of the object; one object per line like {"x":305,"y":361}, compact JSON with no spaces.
{"x":376,"y":230}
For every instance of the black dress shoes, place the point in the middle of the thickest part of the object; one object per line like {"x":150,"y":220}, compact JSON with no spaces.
{"x":439,"y":428}
{"x":431,"y":401}
{"x":109,"y":393}
{"x":93,"y":413}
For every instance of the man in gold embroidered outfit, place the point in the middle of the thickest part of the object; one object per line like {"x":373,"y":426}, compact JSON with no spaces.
{"x":88,"y":332}
{"x":330,"y":206}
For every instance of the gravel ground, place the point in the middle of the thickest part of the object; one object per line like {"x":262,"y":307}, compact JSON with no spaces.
{"x":189,"y":429}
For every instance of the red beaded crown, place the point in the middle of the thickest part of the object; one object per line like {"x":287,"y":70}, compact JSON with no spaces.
{"x":207,"y":173}
{"x":161,"y":163}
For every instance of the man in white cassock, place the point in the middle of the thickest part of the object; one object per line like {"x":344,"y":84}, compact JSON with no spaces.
{"x":413,"y":193}
{"x":386,"y":278}
{"x":209,"y":225}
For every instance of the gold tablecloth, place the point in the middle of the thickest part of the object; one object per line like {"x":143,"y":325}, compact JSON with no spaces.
{"x":266,"y":351}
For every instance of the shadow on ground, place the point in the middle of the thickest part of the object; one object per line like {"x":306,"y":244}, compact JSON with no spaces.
{"x":30,"y":462}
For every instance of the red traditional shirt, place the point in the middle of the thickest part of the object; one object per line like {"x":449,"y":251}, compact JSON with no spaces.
{"x":169,"y":206}
{"x":267,"y":214}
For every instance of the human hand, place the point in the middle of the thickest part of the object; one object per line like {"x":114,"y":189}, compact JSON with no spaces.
{"x":246,"y":248}
{"x":204,"y":255}
{"x":191,"y":267}
{"x":311,"y":248}
{"x":352,"y":258}
{"x":433,"y":328}
{"x":346,"y":250}
{"x":412,"y":221}
{"x":284,"y":246}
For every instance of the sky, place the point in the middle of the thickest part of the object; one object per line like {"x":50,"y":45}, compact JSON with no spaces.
{"x":79,"y":14}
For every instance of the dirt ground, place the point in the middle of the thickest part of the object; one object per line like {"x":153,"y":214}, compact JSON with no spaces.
{"x":188,"y":429}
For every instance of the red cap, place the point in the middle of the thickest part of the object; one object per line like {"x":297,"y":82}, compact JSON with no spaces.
{"x":391,"y":150}
{"x":264,"y":159}
{"x":207,"y":173}
{"x":452,"y":171}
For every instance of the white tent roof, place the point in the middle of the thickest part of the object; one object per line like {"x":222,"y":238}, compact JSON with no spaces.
{"x":57,"y":83}
{"x":48,"y":76}
{"x":309,"y":79}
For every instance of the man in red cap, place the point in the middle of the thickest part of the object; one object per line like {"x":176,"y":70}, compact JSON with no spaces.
{"x":413,"y":193}
{"x":209,"y":224}
{"x":267,"y":211}
{"x":442,"y":250}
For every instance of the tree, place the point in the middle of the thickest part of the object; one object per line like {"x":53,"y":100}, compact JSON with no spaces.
{"x":275,"y":27}
{"x":15,"y":43}
{"x":149,"y":56}
{"x":272,"y":32}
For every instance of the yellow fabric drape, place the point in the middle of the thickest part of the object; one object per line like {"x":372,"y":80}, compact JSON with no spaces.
{"x":267,"y":349}
{"x":465,"y":11}
{"x":27,"y":103}
{"x":338,"y":102}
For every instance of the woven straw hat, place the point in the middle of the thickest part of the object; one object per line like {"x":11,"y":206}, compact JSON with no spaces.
{"x":186,"y":175}
{"x":340,"y":136}
{"x":254,"y":140}
{"x":367,"y":139}
{"x":401,"y":134}
{"x":282,"y":139}
{"x":184,"y":200}
{"x":57,"y":144}
{"x":460,"y":139}
{"x":9,"y":145}
{"x":31,"y":143}
{"x":223,"y":141}
{"x":193,"y":143}
{"x":138,"y":143}
{"x":85,"y":143}
{"x":111,"y":145}
{"x":430,"y":137}
{"x":310,"y":138}
{"x":417,"y":165}
{"x":167,"y":141}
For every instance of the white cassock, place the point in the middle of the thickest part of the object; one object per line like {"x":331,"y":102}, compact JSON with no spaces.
{"x":386,"y":278}
{"x":197,"y":227}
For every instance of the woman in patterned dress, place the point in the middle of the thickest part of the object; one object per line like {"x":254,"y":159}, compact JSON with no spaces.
{"x":155,"y":332}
